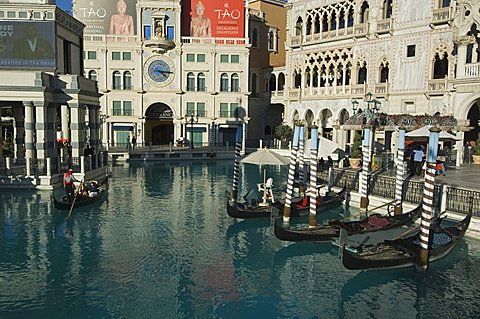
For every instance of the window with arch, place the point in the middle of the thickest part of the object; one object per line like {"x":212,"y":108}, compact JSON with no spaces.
{"x":224,"y":82}
{"x":364,"y":9}
{"x":254,"y":38}
{"x":387,"y":9}
{"x":362,"y":74}
{"x":440,"y":65}
{"x":444,"y":3}
{"x":127,"y":80}
{"x":341,"y":19}
{"x":116,"y":80}
{"x":384,"y":71}
{"x":299,"y":26}
{"x":92,"y":75}
{"x":272,"y":85}
{"x":333,"y":21}
{"x":235,"y":83}
{"x":297,"y":80}
{"x":190,"y":81}
{"x":281,"y":82}
{"x":308,"y":30}
{"x":268,"y":130}
{"x":473,"y":49}
{"x":350,"y":18}
{"x":201,"y":82}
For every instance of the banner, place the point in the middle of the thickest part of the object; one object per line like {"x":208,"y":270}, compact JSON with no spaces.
{"x":213,"y":18}
{"x":27,"y":44}
{"x":111,"y":17}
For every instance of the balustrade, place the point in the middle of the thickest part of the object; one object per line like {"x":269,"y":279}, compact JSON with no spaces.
{"x":472,"y":70}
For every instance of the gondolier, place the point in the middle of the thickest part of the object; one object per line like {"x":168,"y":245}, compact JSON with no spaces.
{"x":68,"y":183}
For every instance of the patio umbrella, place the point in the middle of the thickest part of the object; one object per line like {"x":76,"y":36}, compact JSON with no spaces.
{"x":265,"y":156}
{"x":326,"y":147}
{"x":423,"y":134}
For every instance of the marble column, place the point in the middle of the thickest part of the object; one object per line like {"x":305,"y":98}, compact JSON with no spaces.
{"x":65,"y":119}
{"x":45,"y":129}
{"x":461,"y":60}
{"x":29,"y":130}
{"x":19,"y":133}
{"x":94,"y":125}
{"x":77,"y":128}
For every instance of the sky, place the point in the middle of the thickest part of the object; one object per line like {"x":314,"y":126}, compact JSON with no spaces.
{"x":65,"y":5}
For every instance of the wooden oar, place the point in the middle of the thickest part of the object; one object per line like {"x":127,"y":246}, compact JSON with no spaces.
{"x":74,"y":198}
{"x":383,"y":205}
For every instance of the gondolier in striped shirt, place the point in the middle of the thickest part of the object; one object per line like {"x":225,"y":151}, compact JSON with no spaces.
{"x":68,"y":180}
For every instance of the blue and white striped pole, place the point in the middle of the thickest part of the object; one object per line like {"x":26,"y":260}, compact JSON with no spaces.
{"x":427,"y":202}
{"x":236,"y":167}
{"x":291,"y":174}
{"x":365,"y":170}
{"x":400,"y":171}
{"x":301,"y":162}
{"x":312,"y":215}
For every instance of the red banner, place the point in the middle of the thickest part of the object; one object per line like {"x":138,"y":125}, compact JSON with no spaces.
{"x":213,"y":18}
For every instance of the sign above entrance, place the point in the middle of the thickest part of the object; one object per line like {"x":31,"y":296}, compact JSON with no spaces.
{"x":159,"y":111}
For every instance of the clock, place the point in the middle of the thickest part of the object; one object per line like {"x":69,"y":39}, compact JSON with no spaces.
{"x":159,"y":70}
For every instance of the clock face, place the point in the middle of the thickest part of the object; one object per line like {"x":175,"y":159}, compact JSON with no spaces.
{"x":159,"y":71}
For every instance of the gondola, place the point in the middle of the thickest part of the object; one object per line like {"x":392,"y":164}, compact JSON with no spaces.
{"x":64,"y":204}
{"x":246,"y":210}
{"x":403,"y":252}
{"x":331,"y":229}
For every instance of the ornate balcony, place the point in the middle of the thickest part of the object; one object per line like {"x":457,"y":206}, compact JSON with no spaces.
{"x":384,"y":26}
{"x":441,"y":16}
{"x":160,"y":43}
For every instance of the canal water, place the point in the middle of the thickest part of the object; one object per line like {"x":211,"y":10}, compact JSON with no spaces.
{"x":161,"y":245}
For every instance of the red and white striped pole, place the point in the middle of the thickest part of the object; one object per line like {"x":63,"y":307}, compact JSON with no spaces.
{"x":400,"y":171}
{"x":312,"y":215}
{"x":365,"y":170}
{"x":427,"y":202}
{"x":291,"y":174}
{"x":301,"y":162}
{"x":236,"y":166}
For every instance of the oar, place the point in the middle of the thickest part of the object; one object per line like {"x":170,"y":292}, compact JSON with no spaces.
{"x":383,"y":205}
{"x":74,"y":198}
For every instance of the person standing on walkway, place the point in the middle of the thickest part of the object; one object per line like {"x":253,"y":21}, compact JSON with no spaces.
{"x":68,"y":180}
{"x":134,"y":142}
{"x":418,"y":155}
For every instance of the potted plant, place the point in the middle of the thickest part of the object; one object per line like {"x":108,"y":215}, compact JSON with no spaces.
{"x":476,"y":151}
{"x":356,"y":151}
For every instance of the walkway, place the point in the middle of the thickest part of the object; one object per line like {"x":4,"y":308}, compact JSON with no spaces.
{"x":466,"y":176}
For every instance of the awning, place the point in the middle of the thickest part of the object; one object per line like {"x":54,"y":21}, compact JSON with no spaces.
{"x":123,"y":126}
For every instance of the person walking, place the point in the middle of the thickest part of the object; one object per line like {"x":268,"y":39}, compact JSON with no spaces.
{"x":68,"y":182}
{"x":418,"y":155}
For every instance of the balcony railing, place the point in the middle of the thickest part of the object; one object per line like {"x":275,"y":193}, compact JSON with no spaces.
{"x":441,"y":15}
{"x":381,"y":88}
{"x":228,"y":113}
{"x":218,"y":41}
{"x":472,"y":70}
{"x":438,"y":85}
{"x":295,"y":40}
{"x":122,"y":112}
{"x":384,"y":25}
{"x":197,"y":113}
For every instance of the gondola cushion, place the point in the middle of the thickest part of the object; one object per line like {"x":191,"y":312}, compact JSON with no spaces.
{"x":375,"y":221}
{"x":440,"y":239}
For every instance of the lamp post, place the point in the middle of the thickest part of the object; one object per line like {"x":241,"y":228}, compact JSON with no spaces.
{"x":212,"y":133}
{"x":192,"y":120}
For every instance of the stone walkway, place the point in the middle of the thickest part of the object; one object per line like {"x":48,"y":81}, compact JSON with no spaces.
{"x":466,"y":176}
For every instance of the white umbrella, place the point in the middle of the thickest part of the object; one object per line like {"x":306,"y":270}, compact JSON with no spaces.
{"x":423,"y":133}
{"x":265,"y":156}
{"x":325,"y":147}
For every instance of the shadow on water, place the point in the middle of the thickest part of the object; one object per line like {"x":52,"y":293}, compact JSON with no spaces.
{"x":301,"y":249}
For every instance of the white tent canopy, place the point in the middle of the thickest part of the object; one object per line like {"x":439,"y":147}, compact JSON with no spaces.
{"x":325,"y":148}
{"x":423,"y":133}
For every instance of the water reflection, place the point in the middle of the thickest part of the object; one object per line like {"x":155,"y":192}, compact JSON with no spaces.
{"x":162,"y":245}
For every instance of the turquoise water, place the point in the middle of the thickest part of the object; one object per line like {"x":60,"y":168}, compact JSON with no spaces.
{"x":162,"y":246}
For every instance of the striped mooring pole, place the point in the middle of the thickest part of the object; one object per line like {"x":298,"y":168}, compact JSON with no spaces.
{"x":301,"y":162}
{"x":291,"y":174}
{"x":399,"y":180}
{"x":427,"y":202}
{"x":312,"y":215}
{"x":365,"y":170}
{"x":236,"y":166}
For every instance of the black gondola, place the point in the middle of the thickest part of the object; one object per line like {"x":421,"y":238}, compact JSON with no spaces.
{"x":245,"y":210}
{"x":403,"y":252}
{"x":64,"y":204}
{"x":331,"y":230}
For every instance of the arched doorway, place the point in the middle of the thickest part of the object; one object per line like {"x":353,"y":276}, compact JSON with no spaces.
{"x":326,"y":123}
{"x":474,"y":117}
{"x":158,"y":124}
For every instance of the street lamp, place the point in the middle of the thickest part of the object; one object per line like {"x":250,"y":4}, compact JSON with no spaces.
{"x":212,"y":133}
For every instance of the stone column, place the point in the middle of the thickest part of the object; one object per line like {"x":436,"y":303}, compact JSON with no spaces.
{"x":94,"y":125}
{"x":45,"y":130}
{"x":461,"y":60}
{"x":65,"y":119}
{"x":29,"y":130}
{"x":77,"y":127}
{"x":19,"y":133}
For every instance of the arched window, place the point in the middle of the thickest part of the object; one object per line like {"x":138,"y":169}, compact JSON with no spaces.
{"x":309,"y":25}
{"x":253,"y":84}
{"x":268,"y":130}
{"x":190,"y":81}
{"x":333,"y":21}
{"x":384,"y":73}
{"x":315,"y":77}
{"x":298,"y":26}
{"x":364,"y":12}
{"x":235,"y":83}
{"x":362,"y":74}
{"x":273,"y":83}
{"x":298,"y":80}
{"x":350,"y":18}
{"x":117,"y":80}
{"x":254,"y":38}
{"x":444,"y":3}
{"x":92,"y":75}
{"x":324,"y":22}
{"x":127,"y":80}
{"x":341,"y":19}
{"x":387,"y":9}
{"x":224,"y":82}
{"x":201,"y":82}
{"x":317,"y":24}
{"x":440,"y":66}
{"x":281,"y":81}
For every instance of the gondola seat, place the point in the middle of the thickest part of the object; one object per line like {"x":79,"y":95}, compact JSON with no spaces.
{"x":440,"y":239}
{"x":375,"y":221}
